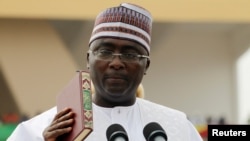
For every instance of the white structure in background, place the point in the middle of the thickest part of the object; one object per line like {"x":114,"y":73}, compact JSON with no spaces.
{"x":243,"y":78}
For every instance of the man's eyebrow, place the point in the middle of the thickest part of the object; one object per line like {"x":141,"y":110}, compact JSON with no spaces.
{"x":112,"y":45}
{"x":106,"y":44}
{"x":129,"y":47}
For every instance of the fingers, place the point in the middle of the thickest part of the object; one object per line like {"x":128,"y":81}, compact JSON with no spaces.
{"x":64,"y":115}
{"x":61,"y":124}
{"x":61,"y":113}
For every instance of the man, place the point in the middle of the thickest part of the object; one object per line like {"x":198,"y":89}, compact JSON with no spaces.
{"x":117,"y":60}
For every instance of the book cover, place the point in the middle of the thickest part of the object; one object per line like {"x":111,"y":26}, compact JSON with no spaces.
{"x":77,"y":96}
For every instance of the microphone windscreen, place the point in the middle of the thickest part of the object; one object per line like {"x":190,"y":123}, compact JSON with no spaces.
{"x":152,"y":130}
{"x":114,"y":131}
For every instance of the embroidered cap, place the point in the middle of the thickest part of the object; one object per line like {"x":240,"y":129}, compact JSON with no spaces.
{"x":127,"y":21}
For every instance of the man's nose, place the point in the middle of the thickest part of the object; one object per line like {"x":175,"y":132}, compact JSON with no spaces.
{"x":116,"y":62}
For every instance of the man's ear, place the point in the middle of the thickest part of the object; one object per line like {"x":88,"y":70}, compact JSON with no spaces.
{"x":87,"y":60}
{"x":147,"y":66}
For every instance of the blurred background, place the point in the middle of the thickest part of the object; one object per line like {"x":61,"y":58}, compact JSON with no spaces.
{"x":200,"y":58}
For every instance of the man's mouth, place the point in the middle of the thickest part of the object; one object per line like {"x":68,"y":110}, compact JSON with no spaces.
{"x":115,"y":78}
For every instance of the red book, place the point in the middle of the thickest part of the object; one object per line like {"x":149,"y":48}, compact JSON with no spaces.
{"x":77,"y":96}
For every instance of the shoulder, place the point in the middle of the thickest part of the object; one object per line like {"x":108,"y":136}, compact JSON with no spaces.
{"x":44,"y":117}
{"x":31,"y":129}
{"x":41,"y":120}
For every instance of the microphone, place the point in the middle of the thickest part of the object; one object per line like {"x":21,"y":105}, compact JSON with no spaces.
{"x":116,"y":132}
{"x":154,"y":132}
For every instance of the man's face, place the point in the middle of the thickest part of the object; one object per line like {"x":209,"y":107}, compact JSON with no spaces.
{"x":116,"y":78}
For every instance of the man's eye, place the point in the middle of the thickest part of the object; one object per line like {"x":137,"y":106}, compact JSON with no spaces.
{"x":105,"y":52}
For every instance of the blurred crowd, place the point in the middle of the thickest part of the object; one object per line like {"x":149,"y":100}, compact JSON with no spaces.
{"x":8,"y":123}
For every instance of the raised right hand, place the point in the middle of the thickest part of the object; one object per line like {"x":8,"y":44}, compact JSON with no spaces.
{"x":61,"y":124}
